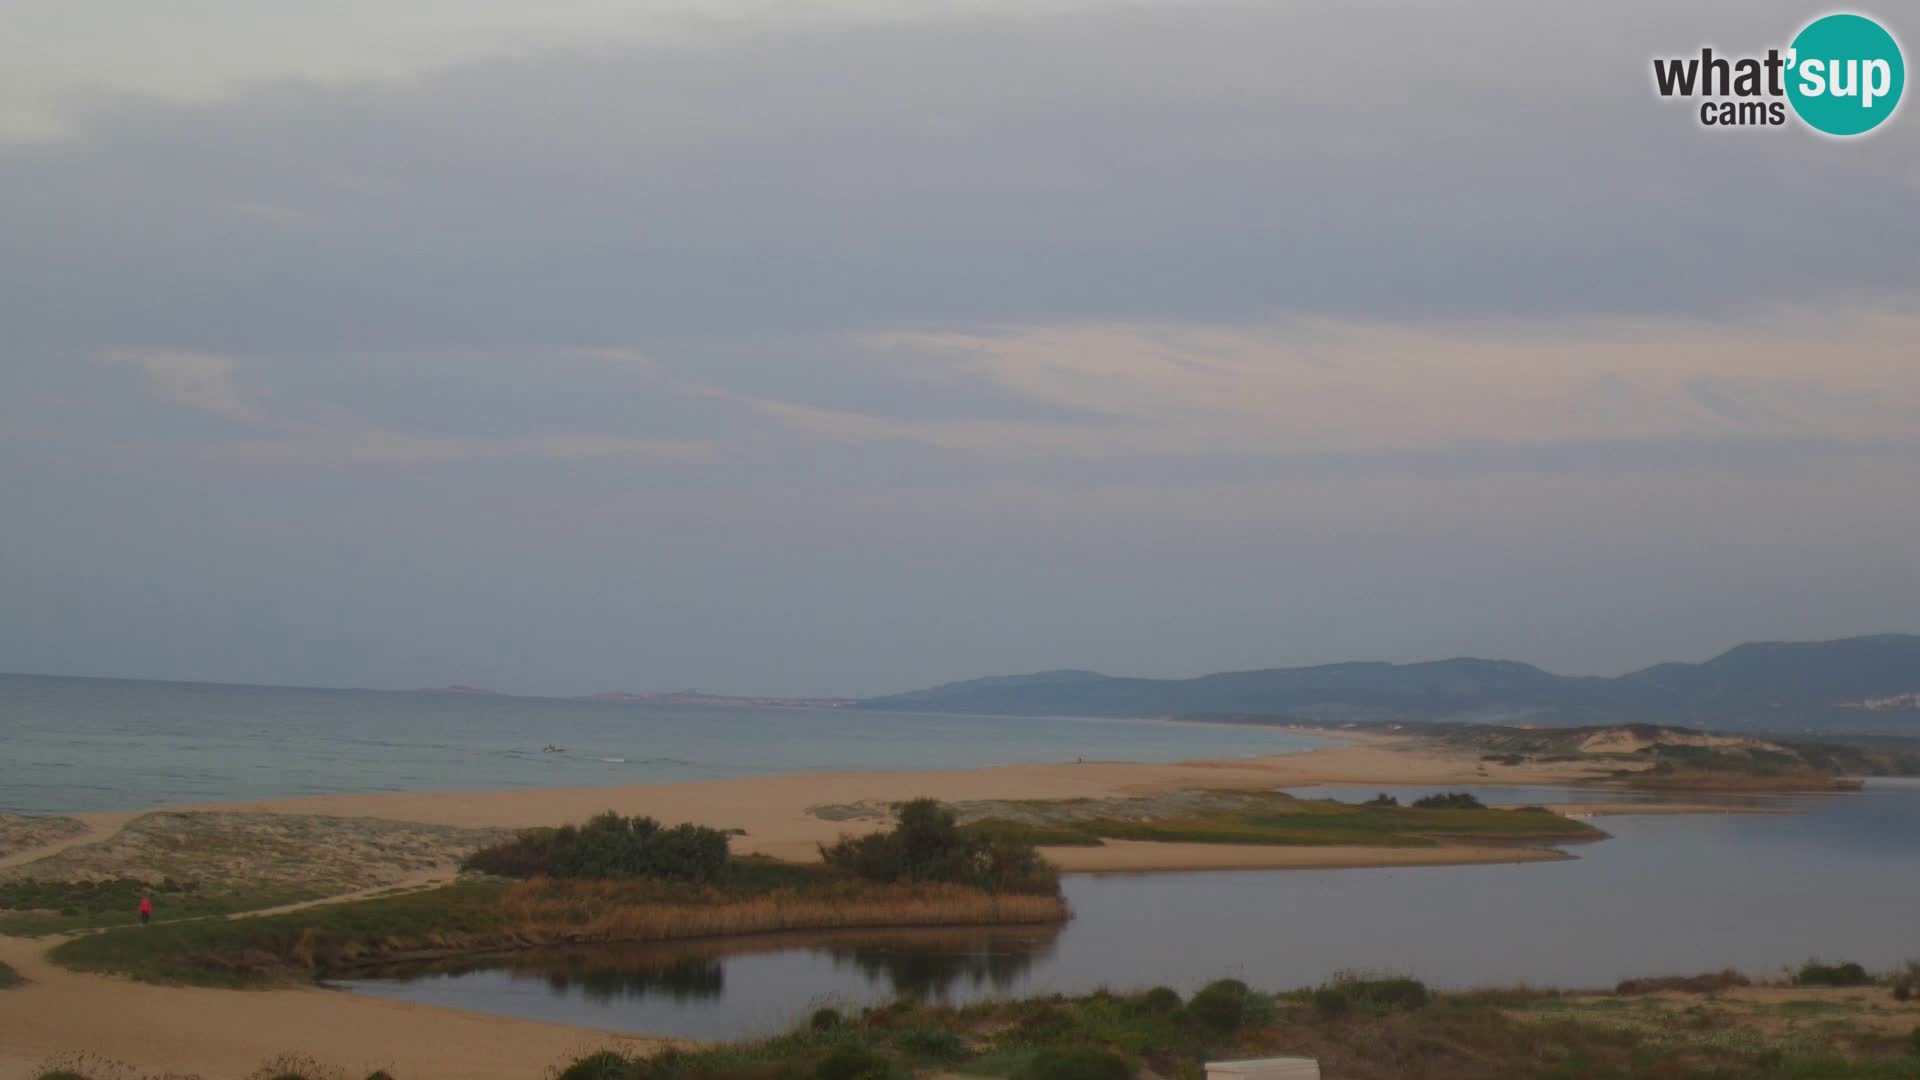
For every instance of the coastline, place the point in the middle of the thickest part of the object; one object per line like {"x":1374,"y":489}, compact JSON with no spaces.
{"x":226,"y":1032}
{"x":775,"y":813}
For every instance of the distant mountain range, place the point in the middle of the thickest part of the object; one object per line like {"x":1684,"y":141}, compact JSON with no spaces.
{"x":1860,"y":684}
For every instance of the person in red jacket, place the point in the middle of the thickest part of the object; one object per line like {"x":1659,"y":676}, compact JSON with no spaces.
{"x":146,"y":909}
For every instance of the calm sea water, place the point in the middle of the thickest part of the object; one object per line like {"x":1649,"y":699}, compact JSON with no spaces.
{"x":1668,"y":894}
{"x":74,"y":745}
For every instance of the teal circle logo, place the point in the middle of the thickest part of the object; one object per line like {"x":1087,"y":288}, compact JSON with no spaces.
{"x":1845,"y":74}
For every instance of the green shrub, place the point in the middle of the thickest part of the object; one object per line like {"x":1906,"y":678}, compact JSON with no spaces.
{"x":9,"y":977}
{"x":1161,"y":1000}
{"x":827,"y":1019}
{"x":1814,"y":973}
{"x":1220,"y":1005}
{"x":605,"y":1065}
{"x":1074,"y":1064}
{"x":379,"y":1074}
{"x":609,"y":847}
{"x":851,"y":1061}
{"x":1382,"y":799}
{"x":1044,"y":1023}
{"x":1913,"y":1041}
{"x":1331,"y":1000}
{"x":1453,"y":800}
{"x":932,"y":1044}
{"x":1391,"y":993}
{"x":927,"y":844}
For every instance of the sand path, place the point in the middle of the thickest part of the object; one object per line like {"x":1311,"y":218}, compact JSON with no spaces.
{"x":98,"y":827}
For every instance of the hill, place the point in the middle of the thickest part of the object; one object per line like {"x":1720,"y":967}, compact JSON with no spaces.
{"x":1860,"y":684}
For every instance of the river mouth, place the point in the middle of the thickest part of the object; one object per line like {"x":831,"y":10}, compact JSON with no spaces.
{"x":1668,"y":894}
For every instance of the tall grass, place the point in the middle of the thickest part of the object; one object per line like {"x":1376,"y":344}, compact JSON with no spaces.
{"x":605,"y":911}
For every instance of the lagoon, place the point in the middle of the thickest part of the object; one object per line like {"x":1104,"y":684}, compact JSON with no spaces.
{"x":1667,"y":894}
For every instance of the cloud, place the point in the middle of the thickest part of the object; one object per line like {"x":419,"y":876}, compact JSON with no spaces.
{"x":57,"y":56}
{"x":210,"y":384}
{"x":371,"y":447}
{"x":1215,"y":163}
{"x":1317,"y":385}
{"x":201,"y":381}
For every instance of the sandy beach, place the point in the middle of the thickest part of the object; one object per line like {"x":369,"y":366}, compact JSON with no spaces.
{"x":776,"y":813}
{"x":217,"y":1033}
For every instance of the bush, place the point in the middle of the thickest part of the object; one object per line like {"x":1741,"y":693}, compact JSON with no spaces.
{"x":1161,"y":1000}
{"x":1382,"y":799}
{"x":927,"y":844}
{"x":609,"y":847}
{"x":1906,"y":981}
{"x":852,"y":1061}
{"x":1710,"y":983}
{"x":932,"y":1044}
{"x":1453,"y":800}
{"x":1331,"y":1000}
{"x":1220,"y":1005}
{"x":605,"y":1065}
{"x":1814,"y":973}
{"x":1075,"y":1064}
{"x":828,"y":1019}
{"x":1354,"y":993}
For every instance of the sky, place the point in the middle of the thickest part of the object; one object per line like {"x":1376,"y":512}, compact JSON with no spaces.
{"x":843,"y":348}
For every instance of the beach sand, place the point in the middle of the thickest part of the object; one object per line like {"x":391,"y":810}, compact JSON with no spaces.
{"x":776,"y":814}
{"x":230,"y":1034}
{"x":220,"y":1033}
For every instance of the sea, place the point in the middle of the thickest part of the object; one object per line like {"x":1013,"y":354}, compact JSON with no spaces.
{"x":71,"y":745}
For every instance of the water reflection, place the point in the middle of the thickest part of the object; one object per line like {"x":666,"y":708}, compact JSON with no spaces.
{"x":938,"y":966}
{"x":695,"y":987}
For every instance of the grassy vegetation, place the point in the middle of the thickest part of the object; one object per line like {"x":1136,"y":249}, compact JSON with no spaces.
{"x":30,"y":908}
{"x":1272,"y":818}
{"x":490,"y":915}
{"x":1677,"y":758}
{"x":9,"y":978}
{"x":1358,"y":1028}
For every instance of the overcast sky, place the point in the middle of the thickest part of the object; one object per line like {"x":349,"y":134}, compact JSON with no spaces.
{"x":843,"y":348}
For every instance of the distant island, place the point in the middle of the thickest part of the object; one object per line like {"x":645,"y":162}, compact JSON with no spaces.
{"x":697,"y":697}
{"x":1860,"y":684}
{"x":457,"y":690}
